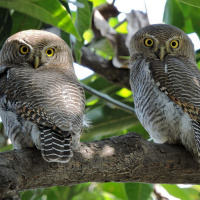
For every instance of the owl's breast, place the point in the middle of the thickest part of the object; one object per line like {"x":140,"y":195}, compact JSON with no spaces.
{"x":55,"y":96}
{"x":161,"y":117}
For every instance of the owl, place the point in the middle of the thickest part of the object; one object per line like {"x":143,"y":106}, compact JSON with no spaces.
{"x":41,"y":99}
{"x":165,"y":82}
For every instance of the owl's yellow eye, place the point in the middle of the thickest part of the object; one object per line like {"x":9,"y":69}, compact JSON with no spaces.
{"x":50,"y":52}
{"x":174,"y":44}
{"x":24,"y":49}
{"x":148,"y":42}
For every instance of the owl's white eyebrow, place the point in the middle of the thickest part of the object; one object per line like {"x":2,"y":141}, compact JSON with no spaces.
{"x":22,"y":41}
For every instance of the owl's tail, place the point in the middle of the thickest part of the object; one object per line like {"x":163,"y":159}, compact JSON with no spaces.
{"x":55,"y":147}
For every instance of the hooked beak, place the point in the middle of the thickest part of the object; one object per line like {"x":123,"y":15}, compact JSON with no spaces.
{"x":36,"y":62}
{"x":161,"y":53}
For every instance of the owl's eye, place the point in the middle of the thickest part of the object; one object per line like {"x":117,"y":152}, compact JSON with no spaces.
{"x":148,"y":42}
{"x":174,"y":44}
{"x":24,"y":49}
{"x":50,"y":52}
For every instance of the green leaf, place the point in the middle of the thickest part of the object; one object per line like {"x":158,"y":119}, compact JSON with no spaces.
{"x":21,"y":22}
{"x":188,"y":27}
{"x":124,"y":92}
{"x":113,"y":21}
{"x":98,"y":2}
{"x":5,"y":25}
{"x":182,"y":193}
{"x":183,"y":16}
{"x":83,"y":22}
{"x":107,"y":121}
{"x":103,"y":46}
{"x":195,"y":19}
{"x":117,"y":189}
{"x":88,"y":35}
{"x":7,"y":148}
{"x":138,"y":191}
{"x":173,"y":14}
{"x":51,"y":12}
{"x":195,"y":3}
{"x":122,"y":28}
{"x":64,"y":35}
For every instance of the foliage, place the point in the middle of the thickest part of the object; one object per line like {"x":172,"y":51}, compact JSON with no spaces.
{"x":107,"y":120}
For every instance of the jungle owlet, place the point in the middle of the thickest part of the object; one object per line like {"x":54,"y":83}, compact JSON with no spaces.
{"x":165,"y":82}
{"x":41,"y":100}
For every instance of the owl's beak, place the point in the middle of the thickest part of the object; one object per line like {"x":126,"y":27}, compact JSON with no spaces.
{"x":161,"y":53}
{"x":36,"y":62}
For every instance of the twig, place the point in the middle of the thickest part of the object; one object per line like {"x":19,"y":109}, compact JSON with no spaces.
{"x":120,"y":23}
{"x":109,"y":99}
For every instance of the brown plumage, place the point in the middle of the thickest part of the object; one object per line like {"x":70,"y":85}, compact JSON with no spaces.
{"x":165,"y":82}
{"x":41,"y":100}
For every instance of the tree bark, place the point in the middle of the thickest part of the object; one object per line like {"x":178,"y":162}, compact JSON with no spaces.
{"x":126,"y":158}
{"x":105,"y":68}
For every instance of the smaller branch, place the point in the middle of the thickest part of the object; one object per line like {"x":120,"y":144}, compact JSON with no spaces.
{"x":109,"y":99}
{"x":120,"y":23}
{"x":105,"y":68}
{"x":113,"y":2}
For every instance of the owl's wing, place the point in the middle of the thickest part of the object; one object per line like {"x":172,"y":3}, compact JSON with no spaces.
{"x":52,"y":99}
{"x":180,"y":81}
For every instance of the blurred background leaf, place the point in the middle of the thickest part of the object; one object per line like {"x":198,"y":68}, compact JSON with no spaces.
{"x":50,"y":12}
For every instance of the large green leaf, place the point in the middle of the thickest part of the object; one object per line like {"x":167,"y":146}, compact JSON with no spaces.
{"x":21,"y":22}
{"x":83,"y":22}
{"x":51,"y":12}
{"x":182,"y":193}
{"x":173,"y":14}
{"x":195,"y":19}
{"x":195,"y":3}
{"x":64,"y":35}
{"x":183,"y":16}
{"x":138,"y":191}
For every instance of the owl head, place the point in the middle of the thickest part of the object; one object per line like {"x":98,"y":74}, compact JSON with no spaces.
{"x":160,"y":40}
{"x":36,"y":48}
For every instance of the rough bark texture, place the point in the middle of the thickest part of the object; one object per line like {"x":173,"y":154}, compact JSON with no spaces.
{"x":126,"y":158}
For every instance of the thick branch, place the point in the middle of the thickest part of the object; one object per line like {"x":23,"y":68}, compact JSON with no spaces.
{"x":126,"y":158}
{"x":105,"y":68}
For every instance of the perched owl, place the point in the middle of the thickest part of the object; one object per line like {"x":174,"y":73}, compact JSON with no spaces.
{"x":41,"y":100}
{"x":165,"y":82}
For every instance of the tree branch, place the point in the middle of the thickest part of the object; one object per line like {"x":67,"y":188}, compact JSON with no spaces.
{"x":105,"y":68}
{"x":126,"y":158}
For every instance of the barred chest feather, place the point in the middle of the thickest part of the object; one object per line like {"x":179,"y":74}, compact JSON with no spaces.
{"x":161,"y":117}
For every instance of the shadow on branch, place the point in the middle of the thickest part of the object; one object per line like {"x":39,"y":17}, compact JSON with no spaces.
{"x":126,"y":158}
